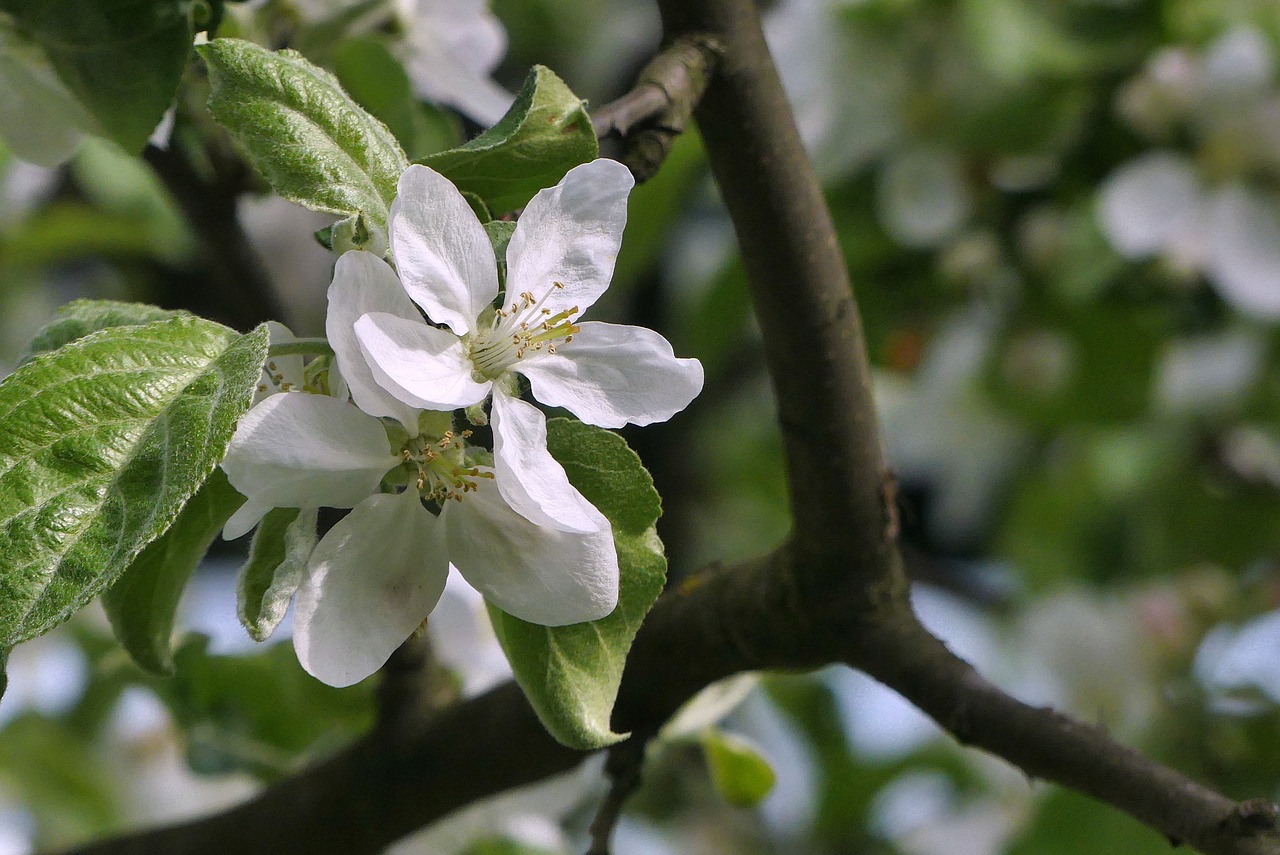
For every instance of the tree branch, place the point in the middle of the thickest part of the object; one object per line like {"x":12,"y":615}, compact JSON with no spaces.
{"x":657,"y":109}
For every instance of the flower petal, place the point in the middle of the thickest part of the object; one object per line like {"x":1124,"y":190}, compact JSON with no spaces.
{"x":611,"y":375}
{"x":533,"y":482}
{"x":421,"y":365}
{"x":364,"y":283}
{"x":1149,"y":203}
{"x":244,"y":519}
{"x":445,"y":259}
{"x":442,"y":74}
{"x":300,"y":450}
{"x":570,"y":234}
{"x":536,"y":573}
{"x":370,"y":583}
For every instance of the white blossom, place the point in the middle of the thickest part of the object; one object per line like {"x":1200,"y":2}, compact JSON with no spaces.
{"x":450,"y":48}
{"x":559,"y":261}
{"x":376,"y":575}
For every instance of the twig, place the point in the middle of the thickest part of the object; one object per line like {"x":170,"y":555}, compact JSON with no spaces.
{"x":237,"y":289}
{"x":658,"y":108}
{"x":623,"y":767}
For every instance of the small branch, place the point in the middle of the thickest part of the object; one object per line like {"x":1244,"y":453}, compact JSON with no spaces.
{"x":237,"y":289}
{"x":658,"y":108}
{"x":414,"y":687}
{"x":623,"y":768}
{"x":1046,"y":744}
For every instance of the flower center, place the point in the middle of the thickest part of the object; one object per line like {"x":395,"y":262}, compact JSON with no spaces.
{"x":522,"y":328}
{"x":441,"y":466}
{"x":273,"y":378}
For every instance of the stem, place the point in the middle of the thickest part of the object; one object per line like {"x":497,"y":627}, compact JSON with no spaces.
{"x":302,"y":347}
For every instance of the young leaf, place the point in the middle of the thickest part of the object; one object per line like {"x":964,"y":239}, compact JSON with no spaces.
{"x":571,"y":673}
{"x":741,"y":775}
{"x":78,"y":318}
{"x":101,"y":444}
{"x":315,"y":145}
{"x":277,"y":559}
{"x":123,"y":59}
{"x":546,"y":133}
{"x":142,"y":603}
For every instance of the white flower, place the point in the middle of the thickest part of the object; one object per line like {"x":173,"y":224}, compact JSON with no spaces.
{"x":378,"y":572}
{"x":559,"y":261}
{"x":450,"y":47}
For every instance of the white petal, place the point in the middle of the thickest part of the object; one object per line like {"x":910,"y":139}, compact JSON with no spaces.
{"x":536,"y":573}
{"x":529,"y":478}
{"x":442,"y":75}
{"x":1244,"y":250}
{"x":364,"y":283}
{"x":371,"y":582}
{"x":444,"y":257}
{"x":243,"y":520}
{"x":1148,"y":203}
{"x":418,"y":363}
{"x":300,"y":450}
{"x":611,"y":375}
{"x":570,"y":234}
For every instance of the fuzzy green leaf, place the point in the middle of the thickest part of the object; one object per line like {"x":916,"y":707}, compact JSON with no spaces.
{"x":546,"y":133}
{"x":571,"y":673}
{"x":277,"y":559}
{"x":741,"y":775}
{"x":102,"y":442}
{"x":123,"y":59}
{"x":78,"y":318}
{"x":143,"y":602}
{"x":316,"y":145}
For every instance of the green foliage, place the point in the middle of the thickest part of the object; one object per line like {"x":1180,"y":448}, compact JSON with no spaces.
{"x":740,"y":774}
{"x":546,"y":133}
{"x":58,"y":775}
{"x":123,"y":59}
{"x":314,"y":144}
{"x":500,"y":232}
{"x":101,"y":444}
{"x":571,"y":673}
{"x":144,"y":600}
{"x":259,"y":713}
{"x":1071,"y":824}
{"x":377,"y":81}
{"x":277,"y":559}
{"x":78,"y":318}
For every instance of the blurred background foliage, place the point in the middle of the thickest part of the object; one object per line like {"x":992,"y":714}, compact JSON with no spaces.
{"x":1062,"y":221}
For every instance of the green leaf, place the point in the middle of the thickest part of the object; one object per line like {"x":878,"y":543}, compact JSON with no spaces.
{"x":571,"y":673}
{"x":123,"y":59}
{"x":741,"y":775}
{"x":101,"y":444}
{"x":143,"y":602}
{"x":546,"y":133}
{"x":315,"y":145}
{"x":259,"y":713}
{"x":377,"y":81}
{"x":500,"y":232}
{"x":277,"y":558}
{"x":78,"y":318}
